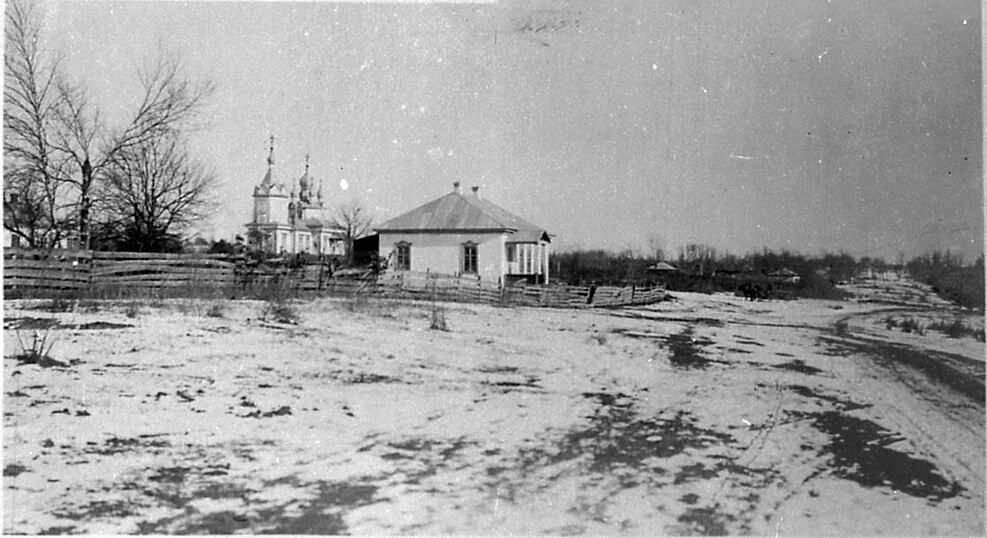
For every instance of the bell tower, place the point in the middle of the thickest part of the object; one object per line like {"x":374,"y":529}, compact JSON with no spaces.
{"x":270,"y":198}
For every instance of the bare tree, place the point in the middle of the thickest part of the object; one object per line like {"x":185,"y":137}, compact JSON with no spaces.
{"x":697,"y":255}
{"x":168,"y":104}
{"x":54,"y":135}
{"x":354,"y":221}
{"x":152,"y":191}
{"x":656,"y":247}
{"x":34,"y":169}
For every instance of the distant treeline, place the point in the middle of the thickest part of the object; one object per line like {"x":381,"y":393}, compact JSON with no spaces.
{"x":950,"y":278}
{"x":702,"y":269}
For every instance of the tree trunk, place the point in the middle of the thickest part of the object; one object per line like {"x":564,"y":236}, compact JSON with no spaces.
{"x":84,"y":203}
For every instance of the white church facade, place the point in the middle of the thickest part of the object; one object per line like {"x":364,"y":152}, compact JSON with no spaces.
{"x":292,"y":220}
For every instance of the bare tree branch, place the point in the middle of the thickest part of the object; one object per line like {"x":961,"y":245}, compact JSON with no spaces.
{"x":169,"y":101}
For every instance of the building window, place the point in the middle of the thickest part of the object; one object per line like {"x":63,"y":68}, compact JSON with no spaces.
{"x":469,"y":258}
{"x":511,"y":253}
{"x":403,"y":256}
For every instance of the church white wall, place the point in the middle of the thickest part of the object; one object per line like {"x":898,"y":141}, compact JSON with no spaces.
{"x":279,"y":210}
{"x":262,"y":210}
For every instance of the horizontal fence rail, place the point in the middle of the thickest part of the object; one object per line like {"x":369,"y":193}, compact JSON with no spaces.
{"x":35,"y":273}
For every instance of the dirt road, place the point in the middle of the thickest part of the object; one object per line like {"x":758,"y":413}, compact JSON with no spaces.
{"x":707,"y":415}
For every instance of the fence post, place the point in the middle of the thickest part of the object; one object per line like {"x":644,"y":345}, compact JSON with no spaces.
{"x":195,"y":276}
{"x":91,"y":277}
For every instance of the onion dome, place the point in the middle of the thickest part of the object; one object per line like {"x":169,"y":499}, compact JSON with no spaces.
{"x":305,"y":183}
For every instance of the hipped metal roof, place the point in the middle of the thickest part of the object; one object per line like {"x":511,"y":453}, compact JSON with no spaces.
{"x":456,"y":212}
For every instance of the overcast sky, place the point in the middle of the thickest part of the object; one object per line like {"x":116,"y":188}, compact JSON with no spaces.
{"x":806,"y":125}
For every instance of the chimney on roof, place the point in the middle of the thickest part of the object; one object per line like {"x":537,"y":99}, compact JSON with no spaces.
{"x":476,"y":191}
{"x":455,"y":187}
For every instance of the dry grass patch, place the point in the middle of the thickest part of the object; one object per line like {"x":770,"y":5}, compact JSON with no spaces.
{"x":37,"y":348}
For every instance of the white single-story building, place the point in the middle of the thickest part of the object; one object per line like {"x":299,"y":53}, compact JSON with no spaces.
{"x":459,"y":234}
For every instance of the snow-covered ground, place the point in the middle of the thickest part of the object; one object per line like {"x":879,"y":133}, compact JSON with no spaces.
{"x":703,"y":415}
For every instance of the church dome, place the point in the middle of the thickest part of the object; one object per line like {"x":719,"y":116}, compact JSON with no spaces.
{"x":305,"y":183}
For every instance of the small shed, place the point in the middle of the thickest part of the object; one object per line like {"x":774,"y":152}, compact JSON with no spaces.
{"x":662,"y":267}
{"x":784,"y":276}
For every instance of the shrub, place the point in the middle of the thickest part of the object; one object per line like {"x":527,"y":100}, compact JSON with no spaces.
{"x":281,"y":313}
{"x":957,"y":329}
{"x":911,"y":325}
{"x":132,"y":310}
{"x":89,"y":305}
{"x":216,"y":310}
{"x":890,"y":323}
{"x":275,"y":290}
{"x":278,"y":295}
{"x":58,"y":304}
{"x":37,"y":349}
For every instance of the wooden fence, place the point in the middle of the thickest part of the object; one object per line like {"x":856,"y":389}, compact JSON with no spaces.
{"x":33,"y":274}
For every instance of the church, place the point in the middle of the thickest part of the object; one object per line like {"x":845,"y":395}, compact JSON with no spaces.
{"x":292,"y":220}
